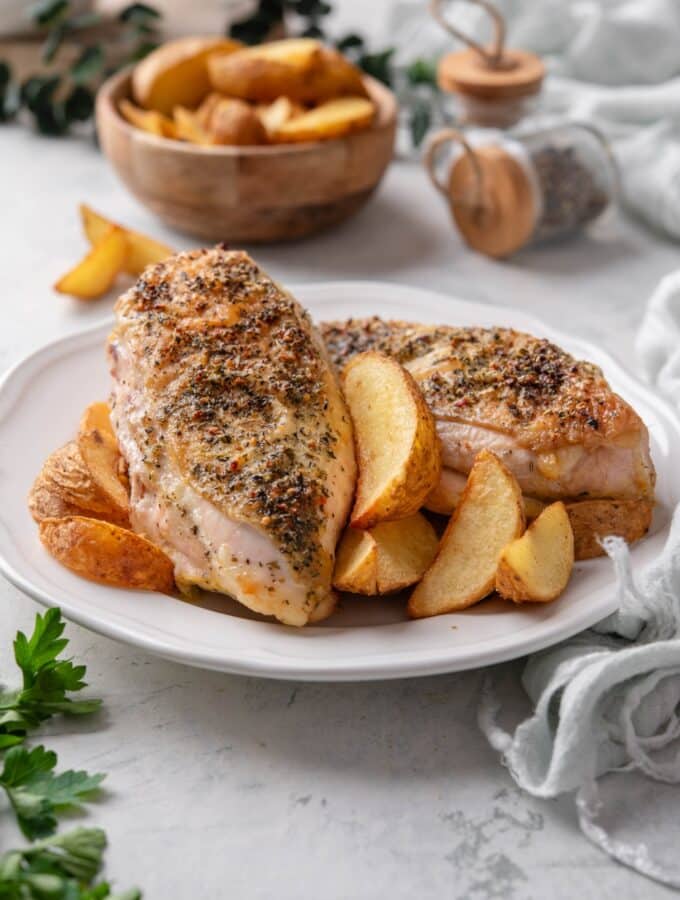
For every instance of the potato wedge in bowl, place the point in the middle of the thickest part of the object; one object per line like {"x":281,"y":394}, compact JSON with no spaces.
{"x":176,"y":73}
{"x":388,"y":558}
{"x":397,"y":446}
{"x":301,"y":69}
{"x":490,"y":515}
{"x":537,"y":566}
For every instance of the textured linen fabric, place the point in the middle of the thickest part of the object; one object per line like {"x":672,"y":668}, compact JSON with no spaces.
{"x":611,"y":62}
{"x":608,"y":700}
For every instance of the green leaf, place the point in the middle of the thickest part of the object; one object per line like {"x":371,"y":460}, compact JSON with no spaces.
{"x":88,"y":65}
{"x":9,"y":94}
{"x":141,"y":50}
{"x":422,"y":71}
{"x":85,"y":20}
{"x":419,"y":121}
{"x":47,"y":680}
{"x":36,"y":793}
{"x":139,"y":14}
{"x":378,"y":65}
{"x":63,"y":867}
{"x":53,"y":42}
{"x":350,"y":42}
{"x":49,"y":12}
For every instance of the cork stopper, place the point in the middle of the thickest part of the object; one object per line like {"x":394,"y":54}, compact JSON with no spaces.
{"x":517,"y":74}
{"x":491,"y":72}
{"x":492,"y":201}
{"x":490,"y":194}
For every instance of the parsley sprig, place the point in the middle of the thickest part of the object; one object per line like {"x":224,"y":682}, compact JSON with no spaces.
{"x":47,"y":682}
{"x":62,"y":866}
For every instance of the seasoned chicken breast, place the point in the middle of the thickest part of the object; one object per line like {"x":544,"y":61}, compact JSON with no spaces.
{"x":553,"y":420}
{"x":238,"y":442}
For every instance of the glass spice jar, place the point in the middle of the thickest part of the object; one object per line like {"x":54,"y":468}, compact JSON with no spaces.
{"x":508,"y":191}
{"x":489,"y":87}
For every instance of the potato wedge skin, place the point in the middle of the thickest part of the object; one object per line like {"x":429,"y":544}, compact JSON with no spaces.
{"x":94,"y":275}
{"x":595,"y":519}
{"x":99,"y":450}
{"x":356,"y":564}
{"x":301,"y":69}
{"x":65,"y":487}
{"x":489,"y":515}
{"x":528,"y":571}
{"x":236,"y":123}
{"x":107,"y":554}
{"x":143,"y":251}
{"x":332,"y":119}
{"x":176,"y":73}
{"x":389,"y":487}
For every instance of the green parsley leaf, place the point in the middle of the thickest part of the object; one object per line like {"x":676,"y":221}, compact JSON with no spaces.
{"x":47,"y":680}
{"x":63,"y":867}
{"x":36,"y":793}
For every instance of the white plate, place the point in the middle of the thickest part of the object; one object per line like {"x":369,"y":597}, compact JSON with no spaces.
{"x":40,"y":404}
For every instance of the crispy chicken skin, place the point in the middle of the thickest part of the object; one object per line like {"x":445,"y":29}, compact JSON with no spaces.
{"x":553,"y":420}
{"x":237,"y":439}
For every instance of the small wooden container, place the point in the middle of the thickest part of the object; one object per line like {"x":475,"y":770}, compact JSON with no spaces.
{"x":252,"y":194}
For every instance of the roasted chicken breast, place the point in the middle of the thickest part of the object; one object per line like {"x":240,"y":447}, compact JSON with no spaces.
{"x":553,"y":420}
{"x":237,"y":439}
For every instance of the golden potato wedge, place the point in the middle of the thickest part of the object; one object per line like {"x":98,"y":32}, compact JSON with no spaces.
{"x":188,"y":128}
{"x":235,"y":122}
{"x":356,"y":564}
{"x":406,"y":549}
{"x":176,"y":74}
{"x":274,"y":115}
{"x":99,"y":449}
{"x":592,"y":520}
{"x":143,"y":251}
{"x":446,"y":495}
{"x":490,"y":515}
{"x":332,"y":119}
{"x":147,"y":119}
{"x":205,"y":110}
{"x":299,"y":68}
{"x":95,"y":273}
{"x":387,"y":558}
{"x":537,"y":566}
{"x":398,"y":450}
{"x":65,"y":487}
{"x":108,"y":554}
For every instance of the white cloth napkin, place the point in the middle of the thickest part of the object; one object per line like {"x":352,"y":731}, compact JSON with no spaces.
{"x":608,"y":700}
{"x":613,"y":62}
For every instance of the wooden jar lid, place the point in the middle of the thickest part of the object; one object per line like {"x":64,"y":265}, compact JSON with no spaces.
{"x":494,"y":207}
{"x":518,"y":74}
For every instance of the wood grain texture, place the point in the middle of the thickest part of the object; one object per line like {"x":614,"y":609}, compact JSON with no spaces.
{"x":255,"y":194}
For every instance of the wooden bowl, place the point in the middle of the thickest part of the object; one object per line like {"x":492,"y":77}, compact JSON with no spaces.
{"x":251,"y":194}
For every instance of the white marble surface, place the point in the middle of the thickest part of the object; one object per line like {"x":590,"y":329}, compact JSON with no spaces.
{"x":230,"y":787}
